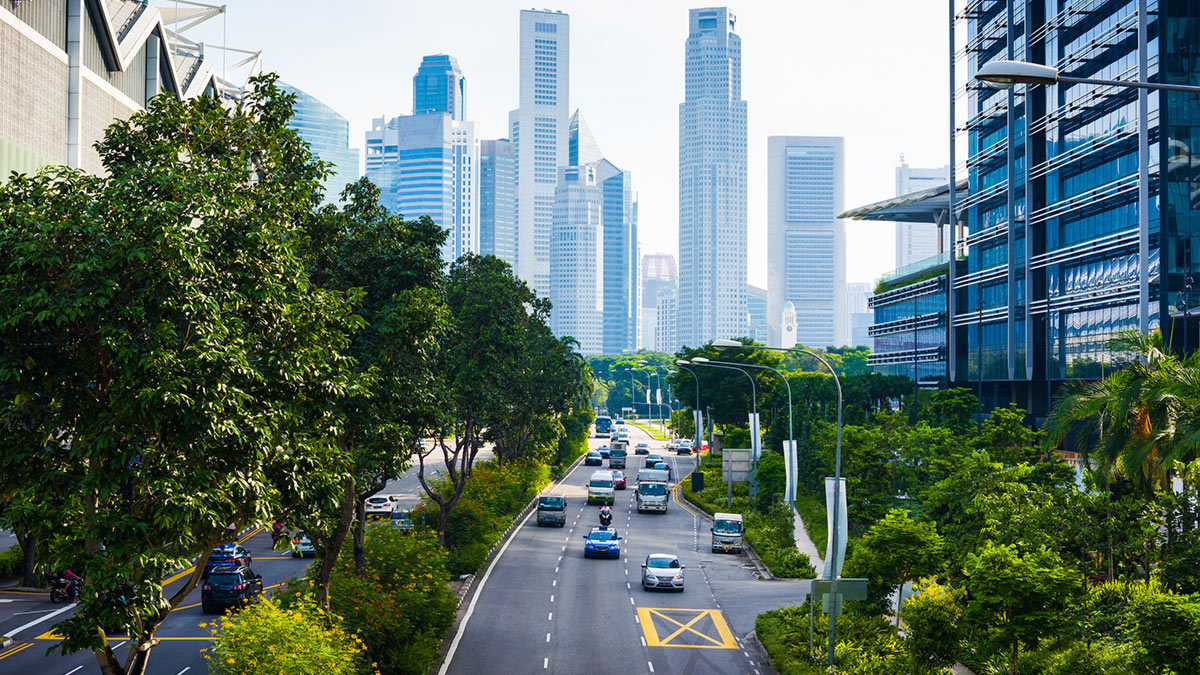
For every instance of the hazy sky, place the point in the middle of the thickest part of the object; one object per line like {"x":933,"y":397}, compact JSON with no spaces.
{"x":872,"y":71}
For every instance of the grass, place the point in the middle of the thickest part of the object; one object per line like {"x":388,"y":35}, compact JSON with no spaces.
{"x":656,"y":434}
{"x":812,"y":512}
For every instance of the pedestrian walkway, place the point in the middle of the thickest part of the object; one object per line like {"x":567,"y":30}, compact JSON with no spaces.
{"x":804,"y":544}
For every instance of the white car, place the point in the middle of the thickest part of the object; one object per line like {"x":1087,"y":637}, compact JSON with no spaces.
{"x":378,"y":507}
{"x":662,"y":571}
{"x":302,"y":546}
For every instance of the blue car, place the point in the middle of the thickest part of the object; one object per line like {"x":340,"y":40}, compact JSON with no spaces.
{"x":602,"y":541}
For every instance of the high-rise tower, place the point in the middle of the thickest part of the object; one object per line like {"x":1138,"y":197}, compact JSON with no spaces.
{"x":539,"y":129}
{"x":439,"y":87}
{"x":712,"y":182}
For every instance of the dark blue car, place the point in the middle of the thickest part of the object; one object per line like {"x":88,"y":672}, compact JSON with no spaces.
{"x":602,"y":541}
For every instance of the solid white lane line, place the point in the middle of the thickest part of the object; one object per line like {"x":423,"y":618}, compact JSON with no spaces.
{"x":77,"y":669}
{"x":184,"y":670}
{"x":35,"y":622}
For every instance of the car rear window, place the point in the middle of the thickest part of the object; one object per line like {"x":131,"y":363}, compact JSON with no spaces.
{"x":225,"y":580}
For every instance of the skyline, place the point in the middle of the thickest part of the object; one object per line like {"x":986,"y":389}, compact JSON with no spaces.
{"x":630,"y":96}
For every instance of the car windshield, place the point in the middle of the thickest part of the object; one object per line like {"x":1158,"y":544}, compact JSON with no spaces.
{"x":652,"y":489}
{"x":225,"y":580}
{"x":399,"y":515}
{"x":664,"y":563}
{"x":553,"y":503}
{"x":727,"y":527}
{"x":602,"y":535}
{"x":601,"y":483}
{"x":593,"y":453}
{"x":662,"y":467}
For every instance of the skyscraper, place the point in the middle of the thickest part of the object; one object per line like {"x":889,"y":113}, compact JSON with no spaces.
{"x":756,"y":314}
{"x":806,"y":243}
{"x":498,"y":199}
{"x":658,"y":277}
{"x":328,"y":136}
{"x":439,"y":87}
{"x":712,"y":182}
{"x":916,"y":241}
{"x":539,"y":129}
{"x":427,"y":164}
{"x":859,"y":316}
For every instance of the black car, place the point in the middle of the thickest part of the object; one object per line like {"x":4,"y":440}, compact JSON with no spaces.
{"x":593,"y":458}
{"x":227,"y":555}
{"x":229,"y":587}
{"x":652,"y":459}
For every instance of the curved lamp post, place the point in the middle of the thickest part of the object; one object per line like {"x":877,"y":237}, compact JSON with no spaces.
{"x":704,"y":361}
{"x":697,"y":436}
{"x":837,"y":477}
{"x":1002,"y":74}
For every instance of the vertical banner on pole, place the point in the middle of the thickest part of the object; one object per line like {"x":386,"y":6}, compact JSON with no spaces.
{"x":658,"y":396}
{"x":755,"y":437}
{"x":830,"y":558}
{"x":789,"y":463}
{"x":697,"y":426}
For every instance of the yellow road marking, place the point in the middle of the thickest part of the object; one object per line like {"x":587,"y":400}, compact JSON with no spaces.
{"x":647,"y":615}
{"x":16,"y":649}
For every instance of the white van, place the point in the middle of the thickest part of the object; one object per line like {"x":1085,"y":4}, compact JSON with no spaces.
{"x":600,"y":488}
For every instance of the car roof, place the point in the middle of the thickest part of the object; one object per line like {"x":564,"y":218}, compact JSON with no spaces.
{"x":602,"y":529}
{"x":663,"y":556}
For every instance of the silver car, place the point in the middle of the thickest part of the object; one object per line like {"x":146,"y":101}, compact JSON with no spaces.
{"x":302,"y":546}
{"x":663,"y":571}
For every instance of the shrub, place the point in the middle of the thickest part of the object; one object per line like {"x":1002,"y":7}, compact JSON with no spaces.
{"x":933,"y":617}
{"x":11,"y":561}
{"x":299,"y":640}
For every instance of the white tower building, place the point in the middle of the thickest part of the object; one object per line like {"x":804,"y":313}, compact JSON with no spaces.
{"x":917,"y":241}
{"x":539,"y":129}
{"x":806,"y":243}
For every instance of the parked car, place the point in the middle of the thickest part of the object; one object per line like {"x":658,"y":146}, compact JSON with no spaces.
{"x":593,"y":458}
{"x":229,"y":587}
{"x":641,"y":449}
{"x":602,"y":541}
{"x":302,"y":546}
{"x":618,"y":479}
{"x":226,"y":556}
{"x":662,"y":571}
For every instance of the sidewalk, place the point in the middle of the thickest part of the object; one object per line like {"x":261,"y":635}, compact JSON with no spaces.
{"x":804,"y":544}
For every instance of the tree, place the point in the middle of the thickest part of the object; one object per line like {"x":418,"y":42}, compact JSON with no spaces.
{"x":772,"y":479}
{"x":395,"y":268}
{"x":897,"y":550}
{"x":170,"y":375}
{"x":1018,"y":598}
{"x":1007,"y":439}
{"x":953,"y":409}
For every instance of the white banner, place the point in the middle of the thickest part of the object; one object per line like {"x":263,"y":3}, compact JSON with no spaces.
{"x":698,"y":426}
{"x":830,"y":558}
{"x":755,"y":437}
{"x":647,"y":396}
{"x":789,"y":463}
{"x":658,"y":396}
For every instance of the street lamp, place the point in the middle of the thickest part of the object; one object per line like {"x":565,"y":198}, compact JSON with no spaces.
{"x":837,"y":478}
{"x":1003,"y":74}
{"x":697,"y":437}
{"x":703,"y":361}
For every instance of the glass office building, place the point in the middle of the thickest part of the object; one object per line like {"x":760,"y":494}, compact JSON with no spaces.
{"x":498,"y":199}
{"x":1060,"y":253}
{"x":328,"y":136}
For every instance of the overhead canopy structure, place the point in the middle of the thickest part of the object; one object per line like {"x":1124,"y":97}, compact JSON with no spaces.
{"x":923,"y":206}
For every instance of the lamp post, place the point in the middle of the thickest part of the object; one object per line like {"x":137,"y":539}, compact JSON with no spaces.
{"x":791,"y":436}
{"x":704,"y":361}
{"x":697,"y":432}
{"x":1003,"y":74}
{"x":837,"y":479}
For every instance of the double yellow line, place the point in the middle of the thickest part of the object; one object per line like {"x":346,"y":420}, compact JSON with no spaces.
{"x":14,"y":650}
{"x":676,"y":490}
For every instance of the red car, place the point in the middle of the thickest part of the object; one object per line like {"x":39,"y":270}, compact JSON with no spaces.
{"x":618,"y":480}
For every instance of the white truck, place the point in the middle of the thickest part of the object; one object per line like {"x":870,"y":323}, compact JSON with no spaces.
{"x":652,"y":490}
{"x":727,"y":531}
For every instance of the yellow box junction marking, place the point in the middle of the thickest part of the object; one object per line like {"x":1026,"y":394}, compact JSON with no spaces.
{"x":688,"y":628}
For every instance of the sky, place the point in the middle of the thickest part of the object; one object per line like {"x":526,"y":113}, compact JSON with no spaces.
{"x":872,"y":71}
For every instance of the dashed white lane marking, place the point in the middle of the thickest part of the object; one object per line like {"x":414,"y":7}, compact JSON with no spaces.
{"x":627,"y":572}
{"x":651,"y":666}
{"x":118,"y":645}
{"x":77,"y":669}
{"x":550,"y":617}
{"x":567,"y":538}
{"x":628,"y":587}
{"x":631,"y":601}
{"x":564,"y":547}
{"x":547,"y":637}
{"x":643,"y":640}
{"x":545,"y":663}
{"x":551,"y":598}
{"x":555,"y":582}
{"x":556,"y":568}
{"x":184,"y":670}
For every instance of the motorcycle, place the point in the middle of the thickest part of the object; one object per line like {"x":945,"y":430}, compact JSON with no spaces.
{"x":64,"y":590}
{"x":605,"y":516}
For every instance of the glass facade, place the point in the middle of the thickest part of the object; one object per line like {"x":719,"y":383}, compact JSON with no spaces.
{"x":439,"y":87}
{"x":1052,"y":268}
{"x":328,"y":136}
{"x":910,"y":327}
{"x":498,"y":199}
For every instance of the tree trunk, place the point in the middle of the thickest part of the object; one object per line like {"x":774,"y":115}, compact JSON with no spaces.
{"x":899,"y":604}
{"x":1012,"y":663}
{"x":443,"y":516}
{"x":360,"y":538}
{"x":333,"y":546}
{"x":29,"y":548}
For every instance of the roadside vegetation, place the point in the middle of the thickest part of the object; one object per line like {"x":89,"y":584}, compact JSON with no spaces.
{"x":1020,"y":564}
{"x":200,"y":311}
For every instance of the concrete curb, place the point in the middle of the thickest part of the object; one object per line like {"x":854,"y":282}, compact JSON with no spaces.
{"x":5,"y":642}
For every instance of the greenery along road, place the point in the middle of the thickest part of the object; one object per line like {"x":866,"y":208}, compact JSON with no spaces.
{"x":192,"y":343}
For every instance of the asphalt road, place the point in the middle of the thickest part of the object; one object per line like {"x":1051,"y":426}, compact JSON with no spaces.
{"x":543,"y":607}
{"x":29,"y":617}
